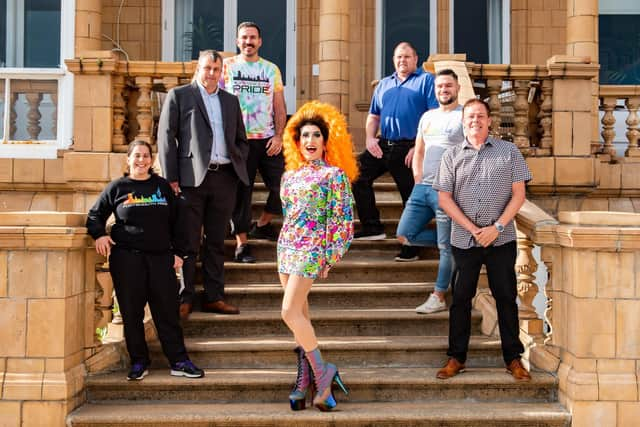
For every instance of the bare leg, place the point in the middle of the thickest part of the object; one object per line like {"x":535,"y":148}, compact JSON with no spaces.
{"x":241,"y":239}
{"x":295,"y":310}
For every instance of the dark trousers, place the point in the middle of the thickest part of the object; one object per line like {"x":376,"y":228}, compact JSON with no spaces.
{"x":500,"y":262}
{"x":208,"y":205}
{"x":140,"y":278}
{"x":393,"y":155}
{"x":271,"y":169}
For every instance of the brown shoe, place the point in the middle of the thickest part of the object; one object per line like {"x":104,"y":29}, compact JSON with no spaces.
{"x":220,"y":307}
{"x":518,"y":371}
{"x":452,"y":368}
{"x":185,"y":310}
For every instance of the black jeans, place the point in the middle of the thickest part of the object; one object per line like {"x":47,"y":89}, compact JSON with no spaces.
{"x":140,"y":278}
{"x":393,"y":155}
{"x":271,"y":169}
{"x":500,"y":262}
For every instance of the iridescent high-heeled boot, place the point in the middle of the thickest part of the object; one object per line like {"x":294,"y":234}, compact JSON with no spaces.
{"x":304,"y":382}
{"x":324,"y":375}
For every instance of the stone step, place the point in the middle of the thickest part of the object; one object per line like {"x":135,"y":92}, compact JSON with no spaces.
{"x":389,"y":209}
{"x":330,"y":295}
{"x":390,"y":225}
{"x":391,"y":414}
{"x":350,"y":322}
{"x":386,"y":249}
{"x":351,"y":351}
{"x":383,"y":190}
{"x":365,"y":385}
{"x":347,"y":271}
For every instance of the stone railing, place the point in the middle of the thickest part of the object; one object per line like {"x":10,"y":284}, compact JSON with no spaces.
{"x":625,"y":99}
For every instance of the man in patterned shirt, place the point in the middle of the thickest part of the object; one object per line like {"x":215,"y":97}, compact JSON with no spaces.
{"x":481,"y":185}
{"x":258,"y":84}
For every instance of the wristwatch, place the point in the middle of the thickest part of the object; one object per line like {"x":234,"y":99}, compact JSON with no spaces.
{"x":499,"y":227}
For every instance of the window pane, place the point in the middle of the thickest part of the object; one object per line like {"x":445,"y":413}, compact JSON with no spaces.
{"x":3,"y":34}
{"x":470,"y":30}
{"x":42,"y":33}
{"x":619,"y":49}
{"x":271,"y":18}
{"x":34,"y":110}
{"x":199,"y":26}
{"x":408,"y":22}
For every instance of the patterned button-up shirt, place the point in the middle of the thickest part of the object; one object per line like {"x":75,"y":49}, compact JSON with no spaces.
{"x":480,"y":182}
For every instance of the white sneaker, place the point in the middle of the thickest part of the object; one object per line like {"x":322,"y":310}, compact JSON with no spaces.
{"x":431,"y":305}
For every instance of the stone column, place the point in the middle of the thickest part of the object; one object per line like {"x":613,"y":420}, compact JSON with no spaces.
{"x":88,"y":26}
{"x":333,"y":35}
{"x":596,"y":313}
{"x":47,"y":293}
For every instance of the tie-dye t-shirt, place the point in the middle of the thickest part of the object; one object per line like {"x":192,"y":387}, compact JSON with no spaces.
{"x":254,"y":83}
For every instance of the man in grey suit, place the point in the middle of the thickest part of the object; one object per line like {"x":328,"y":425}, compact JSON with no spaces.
{"x":203,"y":149}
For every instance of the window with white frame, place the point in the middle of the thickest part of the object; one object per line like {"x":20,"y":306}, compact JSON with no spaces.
{"x":480,"y":28}
{"x":194,"y":25}
{"x":34,"y":87}
{"x":619,"y":46}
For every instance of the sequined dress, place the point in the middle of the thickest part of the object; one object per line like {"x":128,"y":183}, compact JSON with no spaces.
{"x":317,"y":229}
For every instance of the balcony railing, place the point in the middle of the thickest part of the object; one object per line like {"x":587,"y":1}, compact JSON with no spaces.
{"x":616,"y":103}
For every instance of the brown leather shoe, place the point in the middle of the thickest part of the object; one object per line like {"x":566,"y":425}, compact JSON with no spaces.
{"x":220,"y":307}
{"x":185,"y":310}
{"x":518,"y":371}
{"x":452,"y":368}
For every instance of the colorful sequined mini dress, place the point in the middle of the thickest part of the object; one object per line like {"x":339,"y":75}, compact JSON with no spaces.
{"x":317,"y":229}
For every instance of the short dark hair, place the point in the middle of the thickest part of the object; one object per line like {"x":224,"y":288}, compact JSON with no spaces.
{"x":476,"y":101}
{"x":447,"y":72}
{"x":315,"y":121}
{"x":214,"y":55}
{"x":248,"y":24}
{"x":136,"y":143}
{"x":407,"y":44}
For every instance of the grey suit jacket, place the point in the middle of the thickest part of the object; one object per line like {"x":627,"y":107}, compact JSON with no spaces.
{"x":185,"y":136}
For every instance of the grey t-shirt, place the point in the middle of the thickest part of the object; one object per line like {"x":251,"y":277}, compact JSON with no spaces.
{"x":440,"y":130}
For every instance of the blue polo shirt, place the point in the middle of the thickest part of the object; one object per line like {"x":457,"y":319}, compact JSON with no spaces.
{"x":400,"y":104}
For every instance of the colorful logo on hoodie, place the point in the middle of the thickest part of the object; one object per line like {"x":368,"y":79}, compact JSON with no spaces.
{"x":155,"y":199}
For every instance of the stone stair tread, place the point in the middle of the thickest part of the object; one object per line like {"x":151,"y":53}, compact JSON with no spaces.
{"x":440,"y":413}
{"x":371,"y":263}
{"x":352,"y":376}
{"x":279,"y":343}
{"x":331,"y":286}
{"x":330,"y":314}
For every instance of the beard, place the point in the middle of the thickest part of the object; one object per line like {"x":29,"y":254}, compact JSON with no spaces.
{"x":449,"y":101}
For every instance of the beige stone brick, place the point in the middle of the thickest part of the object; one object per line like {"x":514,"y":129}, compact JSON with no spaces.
{"x":581,"y":385}
{"x":24,"y":366}
{"x":539,"y":17}
{"x":27,"y":274}
{"x":592,"y":327}
{"x":23,"y":379}
{"x":589,"y":49}
{"x":616,"y":366}
{"x":53,"y":171}
{"x":330,"y":70}
{"x":86,"y":166}
{"x":37,"y":414}
{"x":609,"y":176}
{"x":630,"y":175}
{"x":621,"y":205}
{"x":628,"y":414}
{"x":539,"y":53}
{"x":57,"y":282}
{"x":9,"y":414}
{"x":13,"y":312}
{"x":595,"y":205}
{"x":581,"y":134}
{"x":562,"y":132}
{"x":582,"y":29}
{"x":577,"y":171}
{"x":627,"y":331}
{"x":571,"y":95}
{"x":42,"y":340}
{"x":44,"y":201}
{"x":64,"y":203}
{"x":76,"y":272}
{"x":585,"y":7}
{"x":535,"y":35}
{"x":6,"y":170}
{"x":102,"y":129}
{"x":28,"y":170}
{"x":542,"y":169}
{"x":4,"y":288}
{"x":601,"y":414}
{"x":618,"y":387}
{"x":82,"y":129}
{"x":615,"y":275}
{"x":580,"y":268}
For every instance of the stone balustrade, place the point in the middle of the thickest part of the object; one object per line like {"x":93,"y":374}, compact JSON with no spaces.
{"x":32,"y":108}
{"x":620,"y":98}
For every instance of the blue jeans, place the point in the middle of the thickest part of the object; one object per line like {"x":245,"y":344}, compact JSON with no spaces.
{"x":420,"y":209}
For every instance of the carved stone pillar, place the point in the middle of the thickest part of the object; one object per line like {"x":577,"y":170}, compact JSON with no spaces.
{"x":632,"y":104}
{"x":333,"y":35}
{"x":608,"y":121}
{"x":526,"y":267}
{"x":13,"y":115}
{"x":34,"y":116}
{"x":546,"y":108}
{"x":521,"y":120}
{"x":118,"y":140}
{"x":144,"y":117}
{"x":54,"y":114}
{"x":494,"y":86}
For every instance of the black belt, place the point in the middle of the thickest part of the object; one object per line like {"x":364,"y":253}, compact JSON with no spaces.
{"x":218,"y":167}
{"x":398,"y":142}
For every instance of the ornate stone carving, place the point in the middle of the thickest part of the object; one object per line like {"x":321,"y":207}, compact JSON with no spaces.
{"x":608,"y":121}
{"x":526,"y":267}
{"x":632,"y":103}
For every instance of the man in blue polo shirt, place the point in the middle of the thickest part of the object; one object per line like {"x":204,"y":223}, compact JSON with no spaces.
{"x":398,"y":102}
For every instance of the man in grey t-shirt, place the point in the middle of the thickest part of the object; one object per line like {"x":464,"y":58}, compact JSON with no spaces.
{"x":438,"y":130}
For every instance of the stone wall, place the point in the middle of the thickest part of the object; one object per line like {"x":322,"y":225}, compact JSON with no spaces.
{"x":538,"y":30}
{"x":139,"y":32}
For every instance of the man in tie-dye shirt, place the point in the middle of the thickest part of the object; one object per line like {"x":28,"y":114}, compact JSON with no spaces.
{"x":258,"y":84}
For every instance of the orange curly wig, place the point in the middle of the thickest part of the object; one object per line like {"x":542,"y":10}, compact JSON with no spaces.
{"x":338,"y":147}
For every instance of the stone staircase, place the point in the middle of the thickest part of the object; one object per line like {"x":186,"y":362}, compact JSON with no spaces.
{"x":363,"y":315}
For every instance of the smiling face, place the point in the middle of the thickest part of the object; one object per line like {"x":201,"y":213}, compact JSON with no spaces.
{"x":139,"y":162}
{"x":249,"y":41}
{"x":405,"y":60}
{"x":311,"y":142}
{"x":476,"y":122}
{"x":208,"y":73}
{"x":446,"y":90}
